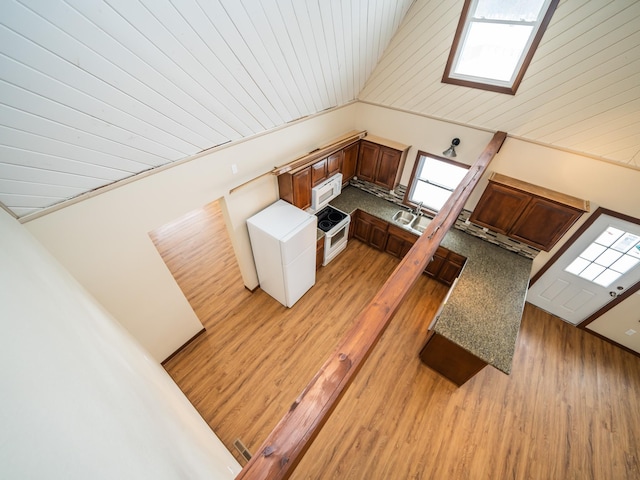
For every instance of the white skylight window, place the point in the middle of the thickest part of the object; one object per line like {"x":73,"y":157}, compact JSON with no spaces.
{"x":495,"y":42}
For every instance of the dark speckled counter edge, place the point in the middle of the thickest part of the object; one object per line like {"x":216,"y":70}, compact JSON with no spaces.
{"x":484,"y":311}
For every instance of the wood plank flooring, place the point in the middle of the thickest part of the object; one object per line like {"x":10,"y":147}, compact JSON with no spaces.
{"x":569,"y":410}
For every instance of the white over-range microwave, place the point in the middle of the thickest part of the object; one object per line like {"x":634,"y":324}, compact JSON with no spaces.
{"x":326,"y":191}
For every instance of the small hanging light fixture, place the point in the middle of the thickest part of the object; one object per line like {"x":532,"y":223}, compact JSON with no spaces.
{"x":451,"y":151}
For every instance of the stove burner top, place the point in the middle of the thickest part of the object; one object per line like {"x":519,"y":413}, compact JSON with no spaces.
{"x":329,"y":217}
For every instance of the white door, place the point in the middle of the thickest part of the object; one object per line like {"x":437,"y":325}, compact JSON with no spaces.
{"x":601,"y":264}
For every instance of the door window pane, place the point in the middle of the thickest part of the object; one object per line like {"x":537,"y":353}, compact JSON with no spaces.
{"x":609,"y":236}
{"x":625,"y":242}
{"x":607,"y":277}
{"x":610,"y":256}
{"x":593,"y":251}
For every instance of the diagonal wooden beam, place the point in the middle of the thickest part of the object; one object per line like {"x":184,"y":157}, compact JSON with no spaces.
{"x":292,"y":436}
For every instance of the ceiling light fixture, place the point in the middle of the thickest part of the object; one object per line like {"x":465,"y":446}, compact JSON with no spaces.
{"x":451,"y":151}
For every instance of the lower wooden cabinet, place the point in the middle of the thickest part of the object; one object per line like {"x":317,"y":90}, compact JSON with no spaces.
{"x":451,"y":268}
{"x":435,"y":265}
{"x":399,"y":241}
{"x":319,"y":252}
{"x":370,"y":230}
{"x":445,"y":266}
{"x":450,"y":360}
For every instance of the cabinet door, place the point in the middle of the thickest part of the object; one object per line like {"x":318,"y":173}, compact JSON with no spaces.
{"x":371,"y":230}
{"x":543,"y":223}
{"x":318,"y":172}
{"x":387,"y":170}
{"x":350,"y":161}
{"x":399,"y":241}
{"x":434,"y":266}
{"x":499,"y":208}
{"x":302,"y":188}
{"x":334,"y":163}
{"x":394,"y":245}
{"x":361,"y":228}
{"x":368,"y":161}
{"x":378,"y":238}
{"x":448,"y":272}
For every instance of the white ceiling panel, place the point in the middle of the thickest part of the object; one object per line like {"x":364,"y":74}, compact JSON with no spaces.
{"x":94,"y":91}
{"x":581,"y":91}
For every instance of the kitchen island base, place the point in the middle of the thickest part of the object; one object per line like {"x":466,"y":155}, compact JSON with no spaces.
{"x":449,"y":359}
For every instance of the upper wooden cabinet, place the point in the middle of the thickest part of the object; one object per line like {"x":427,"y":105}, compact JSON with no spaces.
{"x":318,"y":172}
{"x":334,"y":163}
{"x":531,"y":214}
{"x":381,"y":161}
{"x":349,"y":162}
{"x":295,"y":188}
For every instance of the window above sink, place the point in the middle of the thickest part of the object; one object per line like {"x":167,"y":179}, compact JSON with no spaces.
{"x":433,"y":180}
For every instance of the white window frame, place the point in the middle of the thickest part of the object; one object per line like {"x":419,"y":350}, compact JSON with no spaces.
{"x":467,"y":17}
{"x":413,"y":182}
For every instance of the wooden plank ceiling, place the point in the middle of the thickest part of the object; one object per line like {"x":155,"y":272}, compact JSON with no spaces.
{"x":95,"y":91}
{"x":581,"y":91}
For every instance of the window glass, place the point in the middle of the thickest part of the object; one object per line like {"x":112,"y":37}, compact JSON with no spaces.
{"x":610,"y":256}
{"x":492,"y":51}
{"x":492,"y":46}
{"x":433,"y":180}
{"x":527,"y":10}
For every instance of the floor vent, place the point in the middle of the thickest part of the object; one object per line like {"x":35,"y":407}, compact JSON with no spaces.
{"x":242,"y":449}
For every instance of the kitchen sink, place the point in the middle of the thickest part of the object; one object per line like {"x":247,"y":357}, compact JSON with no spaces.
{"x":403,"y":217}
{"x":419,"y":224}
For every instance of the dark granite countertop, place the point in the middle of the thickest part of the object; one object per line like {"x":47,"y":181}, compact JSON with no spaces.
{"x":484,"y":311}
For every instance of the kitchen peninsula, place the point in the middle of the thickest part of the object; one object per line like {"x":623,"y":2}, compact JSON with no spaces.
{"x":483,"y":310}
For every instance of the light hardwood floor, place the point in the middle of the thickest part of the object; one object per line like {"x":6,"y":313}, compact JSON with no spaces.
{"x":569,"y":410}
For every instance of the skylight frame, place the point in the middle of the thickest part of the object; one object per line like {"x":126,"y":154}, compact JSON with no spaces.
{"x":490,"y":84}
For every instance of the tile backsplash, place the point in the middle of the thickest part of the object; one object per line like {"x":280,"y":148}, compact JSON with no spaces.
{"x":462,"y":223}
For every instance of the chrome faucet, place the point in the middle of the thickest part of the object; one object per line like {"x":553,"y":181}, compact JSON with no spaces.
{"x":418,"y":210}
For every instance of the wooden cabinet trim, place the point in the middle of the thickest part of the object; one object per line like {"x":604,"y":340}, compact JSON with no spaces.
{"x":386,"y":142}
{"x":322,"y":152}
{"x":533,"y":219}
{"x":542,"y":192}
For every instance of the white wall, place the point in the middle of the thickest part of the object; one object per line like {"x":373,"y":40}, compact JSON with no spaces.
{"x":602,"y":183}
{"x":80,"y":398}
{"x":236,"y":208}
{"x":103,"y":240}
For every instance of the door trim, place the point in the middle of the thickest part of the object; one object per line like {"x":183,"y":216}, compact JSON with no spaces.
{"x":578,"y":233}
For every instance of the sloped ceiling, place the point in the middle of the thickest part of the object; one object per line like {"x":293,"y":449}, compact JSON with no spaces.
{"x":95,"y":91}
{"x":580,"y":93}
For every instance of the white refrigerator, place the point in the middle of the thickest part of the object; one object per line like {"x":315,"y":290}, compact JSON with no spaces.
{"x":283,"y":240}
